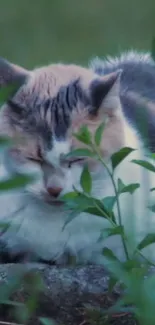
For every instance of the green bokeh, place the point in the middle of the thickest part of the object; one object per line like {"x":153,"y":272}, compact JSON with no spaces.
{"x":35,"y":32}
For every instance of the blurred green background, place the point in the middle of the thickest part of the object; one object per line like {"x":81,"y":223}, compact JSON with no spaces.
{"x":35,"y":32}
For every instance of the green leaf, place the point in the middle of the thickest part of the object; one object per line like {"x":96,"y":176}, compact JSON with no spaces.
{"x":111,"y":283}
{"x":145,"y":164}
{"x":22,"y":314}
{"x":80,"y":153}
{"x":115,"y":267}
{"x":33,"y":282}
{"x":13,"y":282}
{"x":84,"y":135}
{"x":117,"y":157}
{"x":8,"y":91}
{"x":152,"y":155}
{"x":47,"y":321}
{"x":99,"y":133}
{"x":12,"y":303}
{"x":15,"y":182}
{"x":119,"y":230}
{"x":109,"y":202}
{"x":100,"y":211}
{"x":97,"y":207}
{"x":96,"y":211}
{"x":86,"y":180}
{"x":146,"y":241}
{"x":80,"y":202}
{"x":69,"y":196}
{"x":5,"y":141}
{"x":118,"y":307}
{"x":31,"y":305}
{"x":120,"y":185}
{"x":4,"y":226}
{"x":131,"y":264}
{"x":131,"y":188}
{"x":152,"y":189}
{"x":108,"y":232}
{"x":109,"y":254}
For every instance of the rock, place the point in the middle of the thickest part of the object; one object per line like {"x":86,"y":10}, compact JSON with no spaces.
{"x":67,"y":292}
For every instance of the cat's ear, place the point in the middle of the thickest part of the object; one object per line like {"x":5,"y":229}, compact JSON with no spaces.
{"x":12,"y":76}
{"x":11,"y":73}
{"x":105,"y":94}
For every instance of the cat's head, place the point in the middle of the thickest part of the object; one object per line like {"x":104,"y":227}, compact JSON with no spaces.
{"x":50,"y":104}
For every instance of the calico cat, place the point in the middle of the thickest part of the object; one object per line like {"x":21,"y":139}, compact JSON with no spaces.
{"x":49,"y":105}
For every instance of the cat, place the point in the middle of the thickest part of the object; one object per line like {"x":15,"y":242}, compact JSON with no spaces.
{"x":50,"y":104}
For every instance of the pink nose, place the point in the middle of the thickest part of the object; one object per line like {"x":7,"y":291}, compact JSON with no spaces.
{"x":54,"y":191}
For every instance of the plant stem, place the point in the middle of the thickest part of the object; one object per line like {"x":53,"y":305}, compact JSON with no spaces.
{"x":117,"y":199}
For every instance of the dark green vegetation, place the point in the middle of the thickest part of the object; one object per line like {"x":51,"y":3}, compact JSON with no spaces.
{"x":35,"y":32}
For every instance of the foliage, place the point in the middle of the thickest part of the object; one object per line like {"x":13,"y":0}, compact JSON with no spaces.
{"x":131,"y":273}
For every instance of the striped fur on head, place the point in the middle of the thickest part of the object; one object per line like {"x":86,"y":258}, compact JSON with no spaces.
{"x":52,"y":102}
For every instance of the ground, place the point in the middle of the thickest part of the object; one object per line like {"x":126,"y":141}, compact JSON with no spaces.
{"x":77,"y":314}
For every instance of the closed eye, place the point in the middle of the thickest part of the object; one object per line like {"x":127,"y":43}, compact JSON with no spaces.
{"x":74,"y":161}
{"x":36,"y":160}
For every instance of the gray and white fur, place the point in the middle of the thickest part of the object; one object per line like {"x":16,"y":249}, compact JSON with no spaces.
{"x":52,"y":102}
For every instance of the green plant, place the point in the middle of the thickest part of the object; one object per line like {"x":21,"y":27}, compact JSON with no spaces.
{"x":139,"y":291}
